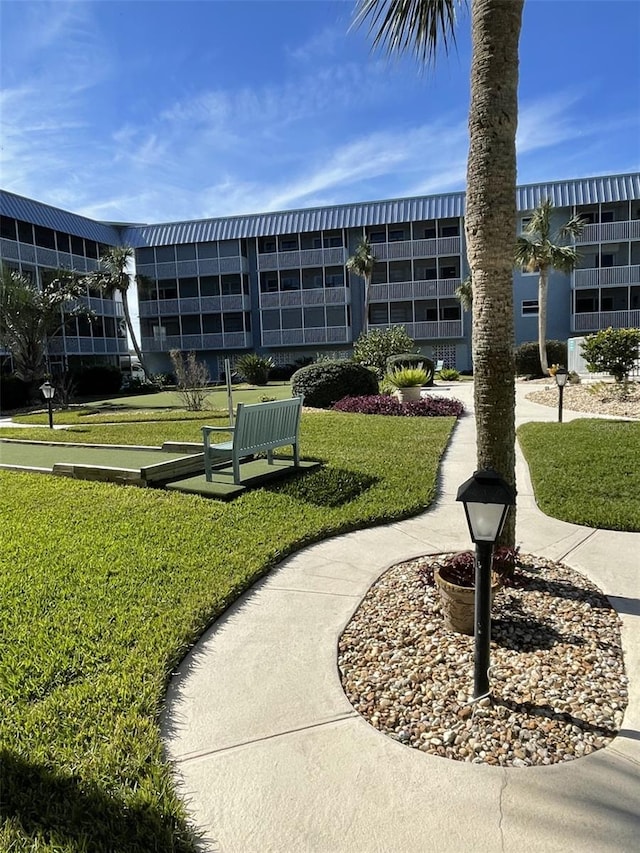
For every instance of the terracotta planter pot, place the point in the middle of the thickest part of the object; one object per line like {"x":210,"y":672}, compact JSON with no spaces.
{"x":410,"y":394}
{"x":458,"y":602}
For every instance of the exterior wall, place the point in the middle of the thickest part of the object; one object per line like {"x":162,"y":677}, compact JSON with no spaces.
{"x":36,"y":240}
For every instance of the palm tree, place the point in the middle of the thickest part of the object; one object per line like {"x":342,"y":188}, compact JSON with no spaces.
{"x":464,"y":294}
{"x":538,"y":248}
{"x":31,"y":315}
{"x":421,"y":26}
{"x":362,"y":263}
{"x":112,"y":276}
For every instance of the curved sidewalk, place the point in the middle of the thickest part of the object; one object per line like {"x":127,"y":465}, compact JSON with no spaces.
{"x":272,"y":758}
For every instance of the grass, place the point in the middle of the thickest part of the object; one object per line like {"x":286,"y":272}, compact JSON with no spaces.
{"x":586,"y":471}
{"x":151,"y":406}
{"x":104,"y":588}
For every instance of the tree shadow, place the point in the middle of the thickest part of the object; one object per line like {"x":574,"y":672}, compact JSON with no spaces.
{"x":527,"y":634}
{"x":326,"y":486}
{"x":532,"y":709}
{"x":65,"y":810}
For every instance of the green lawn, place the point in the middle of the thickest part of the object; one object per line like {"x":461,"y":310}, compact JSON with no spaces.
{"x":105,"y":587}
{"x":148,"y":406}
{"x":586,"y":471}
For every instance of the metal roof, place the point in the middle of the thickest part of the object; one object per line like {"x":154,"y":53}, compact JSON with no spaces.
{"x":602,"y":190}
{"x":38,"y":213}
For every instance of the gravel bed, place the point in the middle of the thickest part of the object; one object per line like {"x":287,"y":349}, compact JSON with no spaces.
{"x":558,"y":688}
{"x":600,"y":398}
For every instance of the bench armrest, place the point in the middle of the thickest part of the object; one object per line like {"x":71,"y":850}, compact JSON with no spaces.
{"x":219,"y":428}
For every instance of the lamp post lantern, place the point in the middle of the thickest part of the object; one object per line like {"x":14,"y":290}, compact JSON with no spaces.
{"x":47,"y":392}
{"x":562,"y":375}
{"x":486,"y":498}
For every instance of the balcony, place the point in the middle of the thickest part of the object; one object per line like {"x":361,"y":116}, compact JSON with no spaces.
{"x":87,"y":346}
{"x":605,"y":276}
{"x":186,"y":343}
{"x":603,"y":319}
{"x":303,"y":258}
{"x":434,"y":330}
{"x":413,"y":289}
{"x":610,"y":232}
{"x":320,"y":335}
{"x":316,"y":296}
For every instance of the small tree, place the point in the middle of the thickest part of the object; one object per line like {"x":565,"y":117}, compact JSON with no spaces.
{"x":464,"y":294}
{"x":372,"y":349}
{"x":612,"y":351}
{"x":362,"y":263}
{"x":191,"y":379}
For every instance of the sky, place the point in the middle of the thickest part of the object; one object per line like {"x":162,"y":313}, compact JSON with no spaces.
{"x":166,"y":110}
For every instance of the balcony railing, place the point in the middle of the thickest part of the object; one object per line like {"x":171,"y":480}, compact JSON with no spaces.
{"x":303,"y":258}
{"x":316,"y":296}
{"x":321,"y":335}
{"x":408,"y":249}
{"x":436,"y":329}
{"x":608,"y":232}
{"x":87,"y":346}
{"x":605,"y":276}
{"x":186,"y":343}
{"x":414,"y":289}
{"x":194,"y":305}
{"x":595,"y":321}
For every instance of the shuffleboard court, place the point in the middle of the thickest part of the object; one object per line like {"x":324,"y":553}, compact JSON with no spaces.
{"x":42,"y":455}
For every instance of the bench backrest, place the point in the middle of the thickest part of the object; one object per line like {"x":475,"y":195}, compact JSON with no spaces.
{"x":260,"y":426}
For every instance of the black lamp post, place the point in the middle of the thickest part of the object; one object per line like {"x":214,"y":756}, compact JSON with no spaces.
{"x":486,"y":498}
{"x":561,"y":380}
{"x":47,"y":392}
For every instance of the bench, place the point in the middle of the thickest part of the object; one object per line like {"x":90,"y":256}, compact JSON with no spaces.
{"x":259,"y":428}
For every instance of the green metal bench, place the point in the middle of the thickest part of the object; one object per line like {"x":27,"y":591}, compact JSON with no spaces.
{"x":259,"y":428}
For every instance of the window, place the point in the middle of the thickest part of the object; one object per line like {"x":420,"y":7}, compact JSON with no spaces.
{"x":188,"y":287}
{"x":336,"y":315}
{"x":448,"y":271}
{"x":91,"y":249}
{"x":168,"y":289}
{"x":267,"y":245}
{"x":450,"y":230}
{"x":380,"y":273}
{"x":186,"y":252}
{"x":8,"y":228}
{"x":211,"y":324}
{"x":62,"y":242}
{"x":209,"y":285}
{"x":529,"y":306}
{"x":314,"y":317}
{"x":377,"y":237}
{"x":77,"y":245}
{"x":311,"y":278}
{"x":426,"y":311}
{"x":525,"y":220}
{"x":25,"y":232}
{"x":231,"y":284}
{"x":401,"y":312}
{"x":379,"y":314}
{"x":290,"y":280}
{"x":292,"y":318}
{"x":145,"y":256}
{"x":606,"y":260}
{"x":333,"y":241}
{"x":207,"y":250}
{"x":430,"y":232}
{"x":587,"y":216}
{"x":165,"y":254}
{"x":426,"y":273}
{"x":269,"y":282}
{"x":586,"y":301}
{"x":233,"y":322}
{"x":396,"y":235}
{"x":229,"y":248}
{"x":288,"y":244}
{"x":334,"y":277}
{"x":450,"y":310}
{"x":191,"y":324}
{"x":608,"y":216}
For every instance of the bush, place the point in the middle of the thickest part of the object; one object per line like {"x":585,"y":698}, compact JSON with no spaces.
{"x":378,"y":404}
{"x":192,"y":377}
{"x":612,"y":351}
{"x":14,"y":392}
{"x":373,"y":349}
{"x":449,"y":374}
{"x":254,"y":368}
{"x":97,"y":380}
{"x":323,"y":384}
{"x":411,"y":359}
{"x":528,"y":357}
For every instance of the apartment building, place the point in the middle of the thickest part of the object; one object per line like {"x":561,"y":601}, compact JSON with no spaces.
{"x":36,"y":240}
{"x":277,"y":282}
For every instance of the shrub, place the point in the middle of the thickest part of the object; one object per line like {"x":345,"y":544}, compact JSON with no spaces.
{"x":323,"y":384}
{"x":191,"y":378}
{"x":409,"y":359}
{"x":449,"y":374}
{"x":373,"y":349}
{"x":14,"y":392}
{"x":378,"y":404}
{"x":97,"y":380}
{"x":612,"y":351}
{"x":407,"y":377}
{"x":528,"y":357}
{"x":254,"y":368}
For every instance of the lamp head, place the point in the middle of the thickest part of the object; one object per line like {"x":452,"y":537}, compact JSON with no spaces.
{"x":486,"y":498}
{"x":47,"y":390}
{"x":562,"y":374}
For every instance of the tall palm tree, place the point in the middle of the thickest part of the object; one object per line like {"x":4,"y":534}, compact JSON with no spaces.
{"x":464,"y":294}
{"x":362,"y":263}
{"x":112,"y":276}
{"x":422,"y":26}
{"x":539,"y":248}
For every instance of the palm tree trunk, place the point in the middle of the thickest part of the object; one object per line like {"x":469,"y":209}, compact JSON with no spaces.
{"x":365,"y":316}
{"x":543,"y":280}
{"x":132,"y":334}
{"x":490,"y":224}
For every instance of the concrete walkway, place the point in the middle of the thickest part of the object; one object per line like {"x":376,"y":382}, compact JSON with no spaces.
{"x":272,"y":758}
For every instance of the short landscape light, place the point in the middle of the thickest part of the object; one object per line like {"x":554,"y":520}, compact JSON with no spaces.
{"x":486,"y":498}
{"x":561,"y":380}
{"x":47,"y":392}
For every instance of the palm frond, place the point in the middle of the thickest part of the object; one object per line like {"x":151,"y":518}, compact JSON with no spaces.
{"x":410,"y":26}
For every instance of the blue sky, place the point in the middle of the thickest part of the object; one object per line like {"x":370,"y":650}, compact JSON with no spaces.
{"x":157,"y":111}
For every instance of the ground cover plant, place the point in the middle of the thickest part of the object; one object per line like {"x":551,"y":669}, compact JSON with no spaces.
{"x":586,"y":471}
{"x":384,"y":404}
{"x":105,"y":587}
